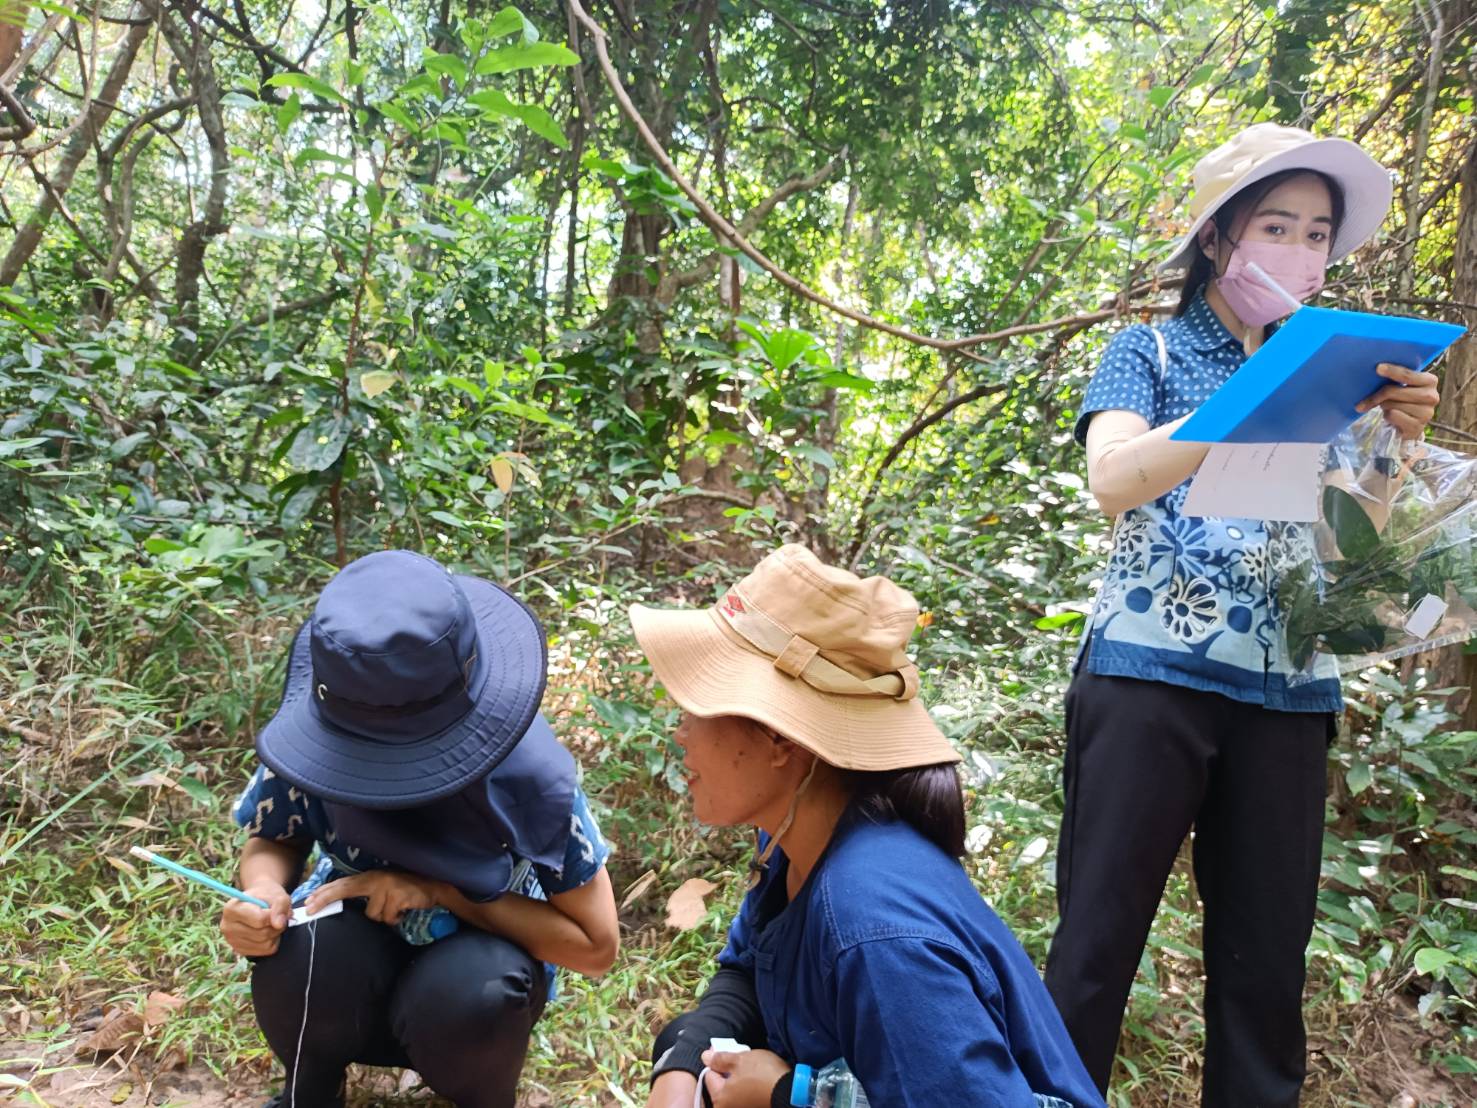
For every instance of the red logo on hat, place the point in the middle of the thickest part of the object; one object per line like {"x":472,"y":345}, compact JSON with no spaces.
{"x":731,"y":605}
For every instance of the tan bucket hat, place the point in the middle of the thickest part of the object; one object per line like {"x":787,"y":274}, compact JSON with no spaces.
{"x":1267,"y":148}
{"x":812,"y":651}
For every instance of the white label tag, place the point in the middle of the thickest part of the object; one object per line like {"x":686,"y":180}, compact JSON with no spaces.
{"x":300,"y":914}
{"x":728,"y":1046}
{"x":1425,"y":616}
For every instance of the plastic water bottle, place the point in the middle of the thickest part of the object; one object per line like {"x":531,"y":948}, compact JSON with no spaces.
{"x":833,"y":1086}
{"x":421,"y":926}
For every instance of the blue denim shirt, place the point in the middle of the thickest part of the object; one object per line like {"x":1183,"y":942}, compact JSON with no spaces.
{"x":888,"y":958}
{"x":1191,"y":600}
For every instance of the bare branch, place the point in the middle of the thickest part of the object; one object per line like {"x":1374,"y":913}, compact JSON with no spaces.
{"x":23,"y":125}
{"x":727,"y":232}
{"x":194,"y":55}
{"x":724,"y":229}
{"x":94,"y":116}
{"x":708,"y":265}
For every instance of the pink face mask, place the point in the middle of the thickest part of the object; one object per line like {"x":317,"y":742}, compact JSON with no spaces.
{"x":1297,"y":268}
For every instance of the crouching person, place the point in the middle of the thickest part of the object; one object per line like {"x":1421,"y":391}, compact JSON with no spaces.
{"x":456,"y":848}
{"x":862,"y":939}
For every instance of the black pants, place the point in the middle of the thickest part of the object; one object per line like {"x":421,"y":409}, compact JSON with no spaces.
{"x":1146,"y":761}
{"x":459,"y":1011}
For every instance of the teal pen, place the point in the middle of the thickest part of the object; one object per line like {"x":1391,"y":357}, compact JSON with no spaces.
{"x":196,"y":875}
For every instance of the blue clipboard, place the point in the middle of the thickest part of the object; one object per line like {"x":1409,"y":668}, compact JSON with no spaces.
{"x":1302,"y":385}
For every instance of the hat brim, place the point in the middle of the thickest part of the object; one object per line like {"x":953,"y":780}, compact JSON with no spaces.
{"x":1366,"y":185}
{"x":710,"y":671}
{"x":331,"y":763}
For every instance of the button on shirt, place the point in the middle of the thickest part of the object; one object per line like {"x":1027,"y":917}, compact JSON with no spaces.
{"x":888,"y":958}
{"x":1191,"y":600}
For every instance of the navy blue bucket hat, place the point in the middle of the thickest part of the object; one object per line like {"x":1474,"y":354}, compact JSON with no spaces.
{"x":408,"y":684}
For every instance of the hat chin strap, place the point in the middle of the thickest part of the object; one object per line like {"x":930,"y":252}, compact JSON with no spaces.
{"x":796,"y":656}
{"x":761,"y":863}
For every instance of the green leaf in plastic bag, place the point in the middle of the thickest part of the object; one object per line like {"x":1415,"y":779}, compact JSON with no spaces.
{"x":1351,"y":525}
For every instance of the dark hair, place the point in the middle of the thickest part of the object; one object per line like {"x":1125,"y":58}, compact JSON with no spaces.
{"x":928,"y":797}
{"x":1202,"y":268}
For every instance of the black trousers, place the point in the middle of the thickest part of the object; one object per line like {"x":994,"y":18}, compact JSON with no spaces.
{"x":1146,"y":762}
{"x":459,"y":1011}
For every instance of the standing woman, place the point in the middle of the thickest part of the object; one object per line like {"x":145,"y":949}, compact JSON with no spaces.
{"x":1181,"y":714}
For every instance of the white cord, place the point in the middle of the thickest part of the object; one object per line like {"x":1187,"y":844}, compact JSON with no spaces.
{"x":697,"y":1097}
{"x":297,"y":1056}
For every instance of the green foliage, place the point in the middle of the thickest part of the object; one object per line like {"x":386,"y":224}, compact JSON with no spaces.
{"x":1397,"y":905}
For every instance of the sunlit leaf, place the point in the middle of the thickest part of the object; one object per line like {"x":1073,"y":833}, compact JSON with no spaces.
{"x":526,"y":55}
{"x":376,"y":381}
{"x":307,"y":83}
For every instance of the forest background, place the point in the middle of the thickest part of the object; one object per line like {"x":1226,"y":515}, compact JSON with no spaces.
{"x":288,"y":281}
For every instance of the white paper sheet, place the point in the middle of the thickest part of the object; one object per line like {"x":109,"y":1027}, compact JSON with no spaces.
{"x":300,"y":913}
{"x":1258,"y":481}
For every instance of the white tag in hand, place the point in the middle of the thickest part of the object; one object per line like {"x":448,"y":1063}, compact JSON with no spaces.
{"x":300,"y":913}
{"x":727,"y":1046}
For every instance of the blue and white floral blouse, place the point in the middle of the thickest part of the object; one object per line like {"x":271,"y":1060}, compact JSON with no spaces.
{"x":1191,"y":600}
{"x":271,"y":808}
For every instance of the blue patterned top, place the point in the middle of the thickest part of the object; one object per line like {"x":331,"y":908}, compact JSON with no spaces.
{"x":271,"y":808}
{"x":1191,"y":600}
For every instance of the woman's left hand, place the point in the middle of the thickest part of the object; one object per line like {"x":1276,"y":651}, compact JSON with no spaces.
{"x":1409,"y":403}
{"x":744,"y":1080}
{"x":390,"y":893}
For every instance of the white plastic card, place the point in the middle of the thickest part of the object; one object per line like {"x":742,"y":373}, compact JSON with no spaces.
{"x":300,"y":913}
{"x":727,"y":1046}
{"x":1425,"y":616}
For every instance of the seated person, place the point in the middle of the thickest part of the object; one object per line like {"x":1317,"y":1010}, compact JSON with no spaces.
{"x":862,"y":938}
{"x":409,"y":749}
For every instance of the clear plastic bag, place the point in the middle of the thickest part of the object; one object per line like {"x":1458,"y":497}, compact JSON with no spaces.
{"x":1391,"y":566}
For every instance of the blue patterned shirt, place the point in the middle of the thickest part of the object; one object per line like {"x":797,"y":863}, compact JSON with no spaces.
{"x":1191,"y":600}
{"x":271,"y":808}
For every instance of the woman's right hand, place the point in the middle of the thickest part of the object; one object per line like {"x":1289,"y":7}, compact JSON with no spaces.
{"x":673,"y":1089}
{"x":255,"y":932}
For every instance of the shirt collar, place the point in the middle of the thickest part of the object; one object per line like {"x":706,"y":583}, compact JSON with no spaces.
{"x":1204,"y":329}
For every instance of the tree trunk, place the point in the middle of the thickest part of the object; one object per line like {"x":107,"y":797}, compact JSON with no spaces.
{"x":29,"y":236}
{"x":638,"y":272}
{"x":1452,"y":667}
{"x":193,"y":53}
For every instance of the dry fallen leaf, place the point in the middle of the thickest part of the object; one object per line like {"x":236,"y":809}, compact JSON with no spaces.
{"x":76,"y":1079}
{"x":154,"y":779}
{"x":125,"y":1091}
{"x":159,"y":1007}
{"x":137,"y":824}
{"x":119,"y":1028}
{"x":685,"y":907}
{"x":120,"y":864}
{"x":638,"y":888}
{"x":502,"y":473}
